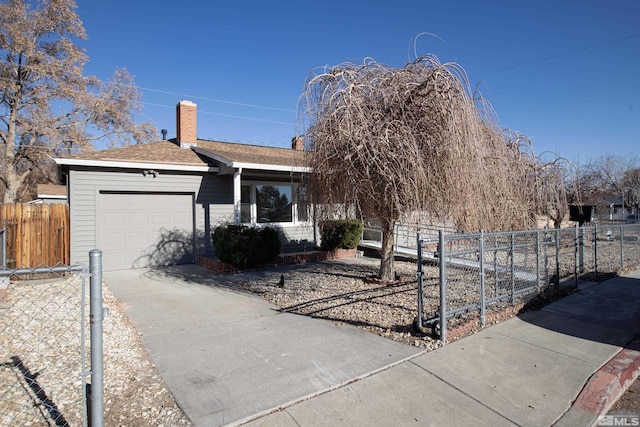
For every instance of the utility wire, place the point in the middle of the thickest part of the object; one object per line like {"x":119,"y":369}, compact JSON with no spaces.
{"x":559,"y":55}
{"x":216,"y":100}
{"x":223,"y":115}
{"x":499,"y":70}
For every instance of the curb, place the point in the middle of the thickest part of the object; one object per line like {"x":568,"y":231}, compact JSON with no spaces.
{"x":605,"y":387}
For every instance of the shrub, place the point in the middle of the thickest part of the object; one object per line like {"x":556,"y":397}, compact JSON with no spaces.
{"x":340,"y":234}
{"x":246,"y":247}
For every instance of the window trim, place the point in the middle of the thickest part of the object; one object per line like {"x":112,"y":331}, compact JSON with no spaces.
{"x":254,"y":206}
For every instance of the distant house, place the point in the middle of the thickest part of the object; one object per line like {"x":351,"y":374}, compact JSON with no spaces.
{"x":51,"y":193}
{"x":157,"y":204}
{"x":617,"y":211}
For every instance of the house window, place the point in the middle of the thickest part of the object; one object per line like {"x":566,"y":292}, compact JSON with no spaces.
{"x":265,"y":203}
{"x":274,"y":203}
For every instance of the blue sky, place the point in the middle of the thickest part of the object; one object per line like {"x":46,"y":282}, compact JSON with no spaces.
{"x":563,"y":72}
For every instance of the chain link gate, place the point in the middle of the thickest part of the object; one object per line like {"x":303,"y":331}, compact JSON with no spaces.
{"x":43,"y":345}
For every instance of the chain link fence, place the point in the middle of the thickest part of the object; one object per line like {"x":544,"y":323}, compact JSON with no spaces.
{"x":485,"y":273}
{"x":44,"y":343}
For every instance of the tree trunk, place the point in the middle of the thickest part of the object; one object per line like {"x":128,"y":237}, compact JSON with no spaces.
{"x":386,"y":272}
{"x":12,"y":186}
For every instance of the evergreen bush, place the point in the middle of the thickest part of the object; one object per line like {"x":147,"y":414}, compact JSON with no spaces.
{"x":246,"y":247}
{"x":340,"y":234}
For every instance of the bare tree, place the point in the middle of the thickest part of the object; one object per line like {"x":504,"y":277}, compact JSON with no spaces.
{"x":387,"y":143}
{"x":631,"y":187}
{"x":47,"y":104}
{"x":613,"y":176}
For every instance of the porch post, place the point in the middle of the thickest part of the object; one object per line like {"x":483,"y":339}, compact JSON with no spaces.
{"x":237,"y":215}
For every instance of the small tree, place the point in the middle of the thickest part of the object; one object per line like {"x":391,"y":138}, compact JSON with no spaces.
{"x":387,"y":142}
{"x":47,"y":105}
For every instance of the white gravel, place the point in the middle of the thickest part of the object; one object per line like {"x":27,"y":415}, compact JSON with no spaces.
{"x":40,"y":362}
{"x":340,"y":291}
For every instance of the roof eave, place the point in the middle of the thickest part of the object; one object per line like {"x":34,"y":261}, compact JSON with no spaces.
{"x":134,"y":165}
{"x":246,"y":165}
{"x":267,"y":167}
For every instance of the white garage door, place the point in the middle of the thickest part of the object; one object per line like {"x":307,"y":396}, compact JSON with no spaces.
{"x":145,"y":230}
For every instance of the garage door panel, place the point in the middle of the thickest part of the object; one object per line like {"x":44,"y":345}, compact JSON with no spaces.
{"x":137,"y":218}
{"x":138,"y":238}
{"x":111,"y":218}
{"x":145,"y":230}
{"x":161,"y":218}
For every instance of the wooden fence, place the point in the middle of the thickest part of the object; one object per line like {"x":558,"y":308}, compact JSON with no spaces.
{"x":37,"y":234}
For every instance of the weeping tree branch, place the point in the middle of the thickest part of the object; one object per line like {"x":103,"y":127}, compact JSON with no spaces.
{"x":387,"y":143}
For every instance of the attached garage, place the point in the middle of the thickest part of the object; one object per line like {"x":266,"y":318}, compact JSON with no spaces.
{"x":156,"y":204}
{"x":137,"y":230}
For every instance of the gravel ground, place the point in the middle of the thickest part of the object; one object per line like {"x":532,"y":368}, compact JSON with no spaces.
{"x":40,"y":362}
{"x":40,"y":359}
{"x":629,"y":402}
{"x":339,"y":291}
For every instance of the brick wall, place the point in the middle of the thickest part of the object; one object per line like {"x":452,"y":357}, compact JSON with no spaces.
{"x":186,"y":112}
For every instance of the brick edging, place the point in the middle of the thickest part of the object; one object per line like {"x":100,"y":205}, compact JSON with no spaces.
{"x":222,"y":267}
{"x":610,"y":382}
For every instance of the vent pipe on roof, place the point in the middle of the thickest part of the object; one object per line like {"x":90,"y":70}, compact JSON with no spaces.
{"x":164,"y":134}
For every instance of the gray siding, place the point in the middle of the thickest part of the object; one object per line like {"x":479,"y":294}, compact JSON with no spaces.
{"x":213,"y":195}
{"x":297,"y":238}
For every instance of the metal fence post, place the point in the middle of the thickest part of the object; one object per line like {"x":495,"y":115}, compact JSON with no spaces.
{"x":495,"y":265}
{"x":538,"y":260}
{"x":581,"y":248}
{"x":483,"y":316}
{"x":3,"y":248}
{"x":443,"y":288}
{"x":595,"y":251}
{"x":557,"y":275}
{"x":622,"y":248}
{"x":420,"y":291}
{"x":96,"y":316}
{"x":513,"y":269}
{"x":576,"y":255}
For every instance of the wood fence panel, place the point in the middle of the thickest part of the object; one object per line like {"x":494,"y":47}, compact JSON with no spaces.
{"x":37,"y":234}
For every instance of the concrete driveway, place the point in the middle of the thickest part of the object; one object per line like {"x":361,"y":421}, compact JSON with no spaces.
{"x":227,"y":355}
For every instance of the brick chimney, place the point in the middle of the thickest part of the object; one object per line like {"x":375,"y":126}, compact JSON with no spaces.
{"x":297,"y":143}
{"x":186,"y":124}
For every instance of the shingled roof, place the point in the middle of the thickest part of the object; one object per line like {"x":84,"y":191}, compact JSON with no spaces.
{"x":205,"y":154}
{"x":187,"y":152}
{"x":161,"y":152}
{"x":231,"y":154}
{"x":51,"y":191}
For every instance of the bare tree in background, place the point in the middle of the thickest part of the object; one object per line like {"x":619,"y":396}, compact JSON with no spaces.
{"x":612,"y":176}
{"x":47,"y":104}
{"x":387,"y":142}
{"x":631,"y":185}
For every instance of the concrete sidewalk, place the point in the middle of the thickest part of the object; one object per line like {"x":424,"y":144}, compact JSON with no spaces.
{"x":249,"y":365}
